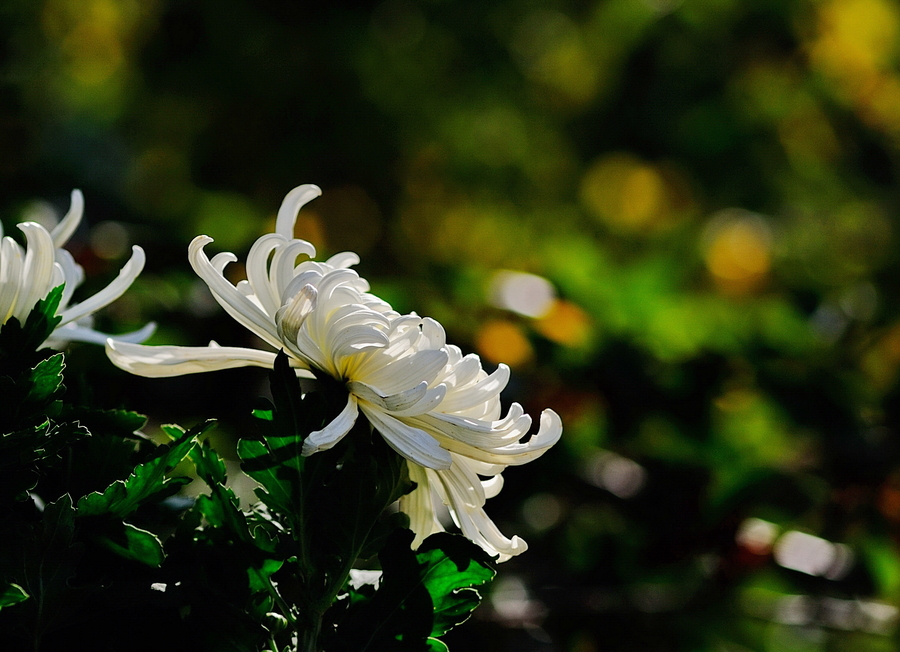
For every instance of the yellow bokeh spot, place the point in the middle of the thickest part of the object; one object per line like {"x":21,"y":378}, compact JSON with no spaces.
{"x":95,"y":53}
{"x":565,"y":323}
{"x":571,"y":71}
{"x":855,"y":40}
{"x":625,"y":193}
{"x":555,"y":54}
{"x":503,"y":341}
{"x":738,"y":253}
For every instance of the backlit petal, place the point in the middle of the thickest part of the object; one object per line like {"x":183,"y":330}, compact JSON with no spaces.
{"x":164,"y":361}
{"x":336,"y":429}
{"x":412,"y":443}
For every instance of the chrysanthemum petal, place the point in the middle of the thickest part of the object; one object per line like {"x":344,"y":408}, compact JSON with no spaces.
{"x":478,"y":393}
{"x":72,"y":273}
{"x":290,"y":317}
{"x":164,"y":361}
{"x":343,"y":259}
{"x":471,"y":518}
{"x":72,"y":332}
{"x":476,"y":443}
{"x":282,"y":269}
{"x":111,"y":292}
{"x":336,"y":429}
{"x":416,"y":400}
{"x":258,"y":271}
{"x":412,"y":443}
{"x":395,"y":376}
{"x":67,"y":226}
{"x":234,"y":302}
{"x":12,"y":261}
{"x":419,"y":505}
{"x":291,"y":205}
{"x":37,"y":270}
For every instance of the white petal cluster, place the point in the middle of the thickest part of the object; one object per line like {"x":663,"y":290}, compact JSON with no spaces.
{"x":28,"y":274}
{"x":433,"y":405}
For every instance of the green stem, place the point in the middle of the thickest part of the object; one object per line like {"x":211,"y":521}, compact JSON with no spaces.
{"x":308,"y":637}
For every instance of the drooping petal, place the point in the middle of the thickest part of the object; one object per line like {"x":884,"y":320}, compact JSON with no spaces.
{"x":135,"y":337}
{"x":336,"y":429}
{"x":475,"y":442}
{"x":471,"y":519}
{"x":412,"y":443}
{"x":492,"y":486}
{"x":419,"y":505}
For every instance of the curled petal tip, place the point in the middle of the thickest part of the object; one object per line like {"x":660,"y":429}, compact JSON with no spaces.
{"x":551,"y":427}
{"x":293,"y":202}
{"x":67,"y":226}
{"x":199,"y":242}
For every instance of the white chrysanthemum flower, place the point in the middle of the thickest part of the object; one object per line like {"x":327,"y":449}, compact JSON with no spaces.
{"x":434,"y":406}
{"x":28,"y":274}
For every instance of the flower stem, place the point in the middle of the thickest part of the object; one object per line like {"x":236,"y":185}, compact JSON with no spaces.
{"x":308,"y":637}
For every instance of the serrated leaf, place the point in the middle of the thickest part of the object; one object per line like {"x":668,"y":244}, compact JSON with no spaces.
{"x":42,"y":320}
{"x":12,"y":594}
{"x":210,"y":467}
{"x":422,"y":595}
{"x":134,"y":543}
{"x":452,"y":566}
{"x":20,"y":342}
{"x":119,"y":423}
{"x":46,"y":380}
{"x":279,"y":491}
{"x":148,"y":481}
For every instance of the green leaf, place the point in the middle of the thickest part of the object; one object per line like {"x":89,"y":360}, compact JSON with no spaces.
{"x":118,"y":423}
{"x":132,"y":542}
{"x":279,"y":491}
{"x":12,"y":594}
{"x":148,"y":482}
{"x":276,"y":462}
{"x":22,"y":449}
{"x":46,"y":380}
{"x":423,"y":594}
{"x":451,"y":567}
{"x":210,"y":467}
{"x":19,"y":343}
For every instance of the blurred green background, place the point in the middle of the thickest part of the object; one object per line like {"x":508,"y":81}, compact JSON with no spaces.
{"x":675,"y":220}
